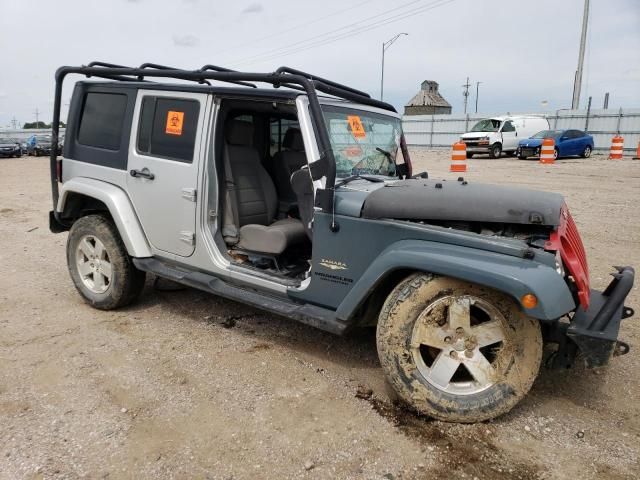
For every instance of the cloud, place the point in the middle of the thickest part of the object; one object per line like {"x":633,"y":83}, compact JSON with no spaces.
{"x":253,"y":8}
{"x":185,"y":40}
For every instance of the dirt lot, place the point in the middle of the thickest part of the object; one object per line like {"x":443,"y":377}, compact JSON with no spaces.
{"x":184,"y":384}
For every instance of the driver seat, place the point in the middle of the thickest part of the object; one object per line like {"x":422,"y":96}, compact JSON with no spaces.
{"x":251,"y":201}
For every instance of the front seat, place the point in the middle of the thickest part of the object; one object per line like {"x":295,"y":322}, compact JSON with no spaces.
{"x":291,"y":159}
{"x":252,"y":202}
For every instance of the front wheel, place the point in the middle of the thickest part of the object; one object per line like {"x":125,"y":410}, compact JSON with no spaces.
{"x":495,"y":151}
{"x":457,"y":351}
{"x":99,"y":264}
{"x":586,"y":153}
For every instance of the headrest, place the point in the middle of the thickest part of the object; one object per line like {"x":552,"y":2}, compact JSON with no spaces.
{"x":239,"y":132}
{"x":293,"y":140}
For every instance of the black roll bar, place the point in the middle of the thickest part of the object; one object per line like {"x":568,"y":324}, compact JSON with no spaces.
{"x":284,"y":76}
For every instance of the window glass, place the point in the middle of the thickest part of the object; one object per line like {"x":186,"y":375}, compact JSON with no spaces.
{"x":168,"y":128}
{"x":508,"y":127}
{"x":102,"y":120}
{"x":279,"y":127}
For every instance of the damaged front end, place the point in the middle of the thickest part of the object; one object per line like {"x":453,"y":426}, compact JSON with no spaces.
{"x":593,"y":327}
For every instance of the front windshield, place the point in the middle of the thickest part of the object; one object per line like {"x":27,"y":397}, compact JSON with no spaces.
{"x":363,"y":143}
{"x":547,"y":134}
{"x":487,"y":125}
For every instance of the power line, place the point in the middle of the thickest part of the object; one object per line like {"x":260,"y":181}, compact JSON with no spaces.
{"x":293,"y":48}
{"x":282,"y":32}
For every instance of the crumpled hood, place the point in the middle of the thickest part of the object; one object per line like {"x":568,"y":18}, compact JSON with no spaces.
{"x":426,"y":199}
{"x":530,"y":142}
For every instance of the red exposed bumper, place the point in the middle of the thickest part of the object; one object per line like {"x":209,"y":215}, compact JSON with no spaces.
{"x":566,"y":240}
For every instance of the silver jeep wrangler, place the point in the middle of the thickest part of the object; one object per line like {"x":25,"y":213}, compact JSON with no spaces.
{"x":305,"y":205}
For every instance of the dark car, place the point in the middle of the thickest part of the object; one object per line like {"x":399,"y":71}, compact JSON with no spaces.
{"x":568,"y":143}
{"x":40,"y":145}
{"x":10,"y":147}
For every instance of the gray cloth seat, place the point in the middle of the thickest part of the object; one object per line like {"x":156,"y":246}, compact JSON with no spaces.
{"x":251,"y":198}
{"x":291,"y":159}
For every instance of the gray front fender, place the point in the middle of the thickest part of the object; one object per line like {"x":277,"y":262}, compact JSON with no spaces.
{"x":119,"y":207}
{"x":512,"y":275}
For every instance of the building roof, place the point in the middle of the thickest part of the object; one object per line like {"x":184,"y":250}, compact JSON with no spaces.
{"x":428,"y":96}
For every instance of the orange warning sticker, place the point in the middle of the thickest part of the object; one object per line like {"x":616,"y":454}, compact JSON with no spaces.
{"x":357,"y":129}
{"x":174,"y":123}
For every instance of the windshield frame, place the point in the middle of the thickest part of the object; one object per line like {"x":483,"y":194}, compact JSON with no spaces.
{"x":369,"y":113}
{"x":549,"y":134}
{"x":493,"y":129}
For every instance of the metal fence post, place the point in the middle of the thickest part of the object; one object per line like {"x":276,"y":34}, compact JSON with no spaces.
{"x":586,"y":122}
{"x":619,"y":120}
{"x":431,"y":136}
{"x":466,"y":123}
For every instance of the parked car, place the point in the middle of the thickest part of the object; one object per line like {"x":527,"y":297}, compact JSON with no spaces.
{"x":10,"y":147}
{"x":568,"y":143}
{"x":39,"y":145}
{"x":501,"y":134}
{"x":464,"y":281}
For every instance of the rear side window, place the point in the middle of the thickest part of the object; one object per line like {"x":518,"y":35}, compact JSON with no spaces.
{"x":102,"y":120}
{"x":167,"y":128}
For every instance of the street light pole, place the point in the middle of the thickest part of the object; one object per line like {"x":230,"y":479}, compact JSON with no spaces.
{"x":385,"y":46}
{"x":477,"y":88}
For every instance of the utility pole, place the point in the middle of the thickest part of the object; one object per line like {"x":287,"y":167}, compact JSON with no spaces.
{"x":465,"y":94}
{"x":477,"y":88}
{"x":385,"y":46}
{"x":606,"y":101}
{"x":577,"y":85}
{"x":14,"y":123}
{"x":37,"y":112}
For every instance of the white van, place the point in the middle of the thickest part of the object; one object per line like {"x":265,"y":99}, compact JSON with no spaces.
{"x":501,"y":134}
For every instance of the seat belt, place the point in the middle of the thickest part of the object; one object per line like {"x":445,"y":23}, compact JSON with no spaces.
{"x":230,"y":217}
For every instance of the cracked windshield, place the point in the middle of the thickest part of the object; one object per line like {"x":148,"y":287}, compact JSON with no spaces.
{"x":363,"y":142}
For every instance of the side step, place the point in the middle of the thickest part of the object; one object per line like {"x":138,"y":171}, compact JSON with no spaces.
{"x":318,"y":317}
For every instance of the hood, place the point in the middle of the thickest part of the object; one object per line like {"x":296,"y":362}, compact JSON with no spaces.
{"x":425,"y":199}
{"x":477,"y":134}
{"x":12,"y":144}
{"x":530,"y":142}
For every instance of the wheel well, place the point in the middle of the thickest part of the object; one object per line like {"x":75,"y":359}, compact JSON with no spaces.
{"x":79,"y":205}
{"x":369,"y":309}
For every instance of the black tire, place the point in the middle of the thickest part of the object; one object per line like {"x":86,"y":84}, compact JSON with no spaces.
{"x":586,"y":153}
{"x":522,"y":157}
{"x":495,"y":151}
{"x":469,"y":155}
{"x":514,"y":361}
{"x":556,"y":153}
{"x":126,"y":281}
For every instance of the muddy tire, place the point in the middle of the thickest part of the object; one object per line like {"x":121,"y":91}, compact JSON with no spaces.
{"x":99,"y":265}
{"x":457,"y":351}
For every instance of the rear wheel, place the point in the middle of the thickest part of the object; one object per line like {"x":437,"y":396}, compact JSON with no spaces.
{"x":586,"y":153}
{"x":556,"y":153}
{"x":99,"y":264}
{"x":495,"y":151}
{"x":455,"y":350}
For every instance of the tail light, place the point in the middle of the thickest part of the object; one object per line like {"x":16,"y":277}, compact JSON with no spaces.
{"x":566,"y":240}
{"x":59,"y":169}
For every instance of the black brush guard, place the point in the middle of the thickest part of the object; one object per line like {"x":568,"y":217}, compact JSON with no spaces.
{"x":594,"y":332}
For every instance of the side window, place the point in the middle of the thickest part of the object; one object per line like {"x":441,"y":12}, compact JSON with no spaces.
{"x":168,"y":128}
{"x":102,"y":120}
{"x":508,"y":127}
{"x":279,"y":127}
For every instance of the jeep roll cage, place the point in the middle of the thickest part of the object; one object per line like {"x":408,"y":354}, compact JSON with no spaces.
{"x":282,"y":77}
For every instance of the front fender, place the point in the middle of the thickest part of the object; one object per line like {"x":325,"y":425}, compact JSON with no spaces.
{"x":514,"y":276}
{"x":119,"y":207}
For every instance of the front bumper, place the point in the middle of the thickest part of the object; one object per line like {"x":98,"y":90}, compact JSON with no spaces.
{"x":528,"y":151}
{"x":475,"y":148}
{"x":595,"y":330}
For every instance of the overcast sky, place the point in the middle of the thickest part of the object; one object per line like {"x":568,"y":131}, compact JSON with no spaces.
{"x":523,"y":52}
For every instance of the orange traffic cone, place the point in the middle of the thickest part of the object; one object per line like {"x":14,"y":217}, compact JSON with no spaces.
{"x":547,"y":151}
{"x":459,"y":157}
{"x":637,"y":157}
{"x":617,"y":144}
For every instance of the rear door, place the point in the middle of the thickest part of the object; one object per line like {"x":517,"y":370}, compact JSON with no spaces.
{"x":166,"y":151}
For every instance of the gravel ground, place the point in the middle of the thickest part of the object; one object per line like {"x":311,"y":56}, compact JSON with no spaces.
{"x":184,"y":384}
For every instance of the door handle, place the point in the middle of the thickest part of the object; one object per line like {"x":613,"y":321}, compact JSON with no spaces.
{"x":144,"y":173}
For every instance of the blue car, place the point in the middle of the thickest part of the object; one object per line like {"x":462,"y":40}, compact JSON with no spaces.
{"x":568,"y":143}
